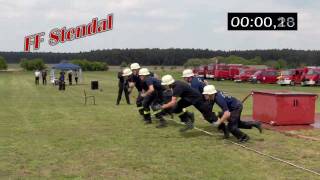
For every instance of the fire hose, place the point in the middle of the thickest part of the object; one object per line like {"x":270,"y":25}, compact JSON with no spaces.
{"x":257,"y":152}
{"x":254,"y":150}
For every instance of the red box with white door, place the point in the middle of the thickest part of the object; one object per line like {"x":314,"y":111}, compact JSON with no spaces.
{"x":284,"y":107}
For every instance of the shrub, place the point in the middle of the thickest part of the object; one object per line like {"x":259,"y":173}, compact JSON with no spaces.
{"x":91,"y":65}
{"x":123,"y":64}
{"x":33,"y":64}
{"x":3,"y":63}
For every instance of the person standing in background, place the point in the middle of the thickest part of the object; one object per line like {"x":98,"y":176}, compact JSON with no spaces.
{"x":44,"y":77}
{"x":70,"y":77}
{"x":123,"y":84}
{"x":76,"y":76}
{"x":61,"y":81}
{"x":37,"y":76}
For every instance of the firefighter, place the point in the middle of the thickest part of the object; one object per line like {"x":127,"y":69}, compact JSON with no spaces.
{"x":123,"y":84}
{"x":135,"y":67}
{"x":152,"y":94}
{"x":231,"y":112}
{"x":194,"y":82}
{"x":189,"y":96}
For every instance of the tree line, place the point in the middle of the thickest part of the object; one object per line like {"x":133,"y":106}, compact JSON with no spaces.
{"x":38,"y":64}
{"x":173,"y":57}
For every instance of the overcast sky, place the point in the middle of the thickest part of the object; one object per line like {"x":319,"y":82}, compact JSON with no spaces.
{"x":156,"y":24}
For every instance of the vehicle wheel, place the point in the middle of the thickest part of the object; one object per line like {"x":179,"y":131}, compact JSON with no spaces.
{"x":302,"y":84}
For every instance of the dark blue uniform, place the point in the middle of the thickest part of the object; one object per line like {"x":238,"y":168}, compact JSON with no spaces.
{"x":154,"y":98}
{"x":226,"y":102}
{"x":123,"y":87}
{"x":190,"y":96}
{"x":197,"y":84}
{"x":137,"y":81}
{"x":234,"y":106}
{"x":138,"y":84}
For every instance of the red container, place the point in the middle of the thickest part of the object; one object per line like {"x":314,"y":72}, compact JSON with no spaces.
{"x":284,"y":108}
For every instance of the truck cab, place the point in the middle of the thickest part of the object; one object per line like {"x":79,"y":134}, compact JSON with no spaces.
{"x":266,"y":76}
{"x":244,"y":75}
{"x":312,"y":77}
{"x":290,"y":77}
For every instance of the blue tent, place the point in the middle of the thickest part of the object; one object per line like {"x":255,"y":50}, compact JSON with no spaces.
{"x":66,"y":66}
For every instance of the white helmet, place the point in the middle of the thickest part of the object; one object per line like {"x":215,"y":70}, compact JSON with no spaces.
{"x":126,"y":72}
{"x":187,"y":73}
{"x":167,"y":80}
{"x":144,"y":72}
{"x":134,"y":66}
{"x":209,"y":89}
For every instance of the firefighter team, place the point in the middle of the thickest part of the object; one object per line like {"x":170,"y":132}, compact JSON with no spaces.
{"x":169,"y":96}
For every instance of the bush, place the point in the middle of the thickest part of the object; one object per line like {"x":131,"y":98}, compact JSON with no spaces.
{"x":91,"y":65}
{"x":33,"y":64}
{"x":3,"y":63}
{"x":123,"y":64}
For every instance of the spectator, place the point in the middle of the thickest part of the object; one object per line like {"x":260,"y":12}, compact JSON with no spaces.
{"x":44,"y":77}
{"x":37,"y":76}
{"x":76,"y":76}
{"x":70,"y":77}
{"x":61,"y":81}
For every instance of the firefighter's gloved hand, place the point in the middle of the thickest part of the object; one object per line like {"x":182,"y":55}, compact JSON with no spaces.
{"x":156,"y":107}
{"x":216,"y":124}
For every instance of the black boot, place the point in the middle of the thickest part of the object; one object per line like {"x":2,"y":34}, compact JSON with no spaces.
{"x":191,"y":116}
{"x":258,"y":126}
{"x":225,"y":130}
{"x":147,"y":118}
{"x":162,"y":123}
{"x":244,"y":138}
{"x":188,"y":119}
{"x":141,"y":112}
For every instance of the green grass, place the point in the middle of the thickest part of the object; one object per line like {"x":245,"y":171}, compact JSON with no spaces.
{"x":47,"y":134}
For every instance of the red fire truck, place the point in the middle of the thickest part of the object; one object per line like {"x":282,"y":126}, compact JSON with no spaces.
{"x":290,"y":77}
{"x":312,"y":77}
{"x":267,"y":76}
{"x":202,"y":71}
{"x":210,"y":71}
{"x":226,"y":71}
{"x":244,"y":74}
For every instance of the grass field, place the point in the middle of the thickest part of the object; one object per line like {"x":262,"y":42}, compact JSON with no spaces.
{"x":47,"y":134}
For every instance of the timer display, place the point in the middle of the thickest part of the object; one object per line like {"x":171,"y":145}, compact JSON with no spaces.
{"x":263,"y":21}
